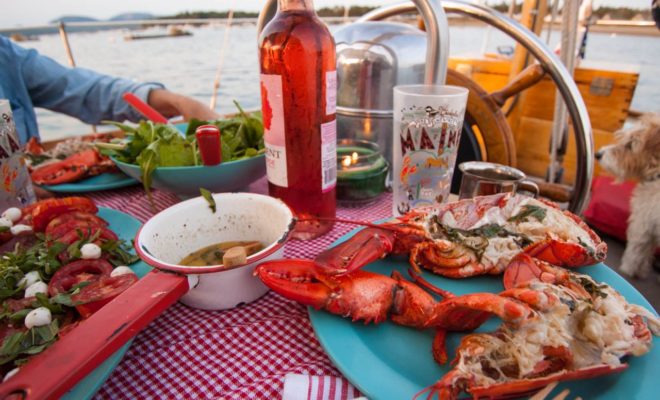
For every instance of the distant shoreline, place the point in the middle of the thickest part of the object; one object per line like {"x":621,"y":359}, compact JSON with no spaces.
{"x":635,"y":28}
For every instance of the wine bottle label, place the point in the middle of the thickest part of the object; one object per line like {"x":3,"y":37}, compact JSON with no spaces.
{"x":274,"y":139}
{"x":330,"y":92}
{"x":328,"y":155}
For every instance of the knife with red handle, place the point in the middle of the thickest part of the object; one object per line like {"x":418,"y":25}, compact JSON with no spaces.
{"x":144,"y":108}
{"x":60,"y":367}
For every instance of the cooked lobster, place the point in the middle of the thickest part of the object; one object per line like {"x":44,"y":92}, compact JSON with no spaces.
{"x":553,"y":326}
{"x":70,"y":161}
{"x":472,"y":237}
{"x":579,"y":329}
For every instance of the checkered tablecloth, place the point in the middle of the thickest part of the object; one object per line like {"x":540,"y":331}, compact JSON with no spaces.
{"x":235,"y":354}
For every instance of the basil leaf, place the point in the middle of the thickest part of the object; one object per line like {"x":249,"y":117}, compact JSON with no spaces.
{"x":20,"y":315}
{"x":208,"y":196}
{"x":12,"y":343}
{"x":44,"y":301}
{"x":63,"y":299}
{"x":529,"y":210}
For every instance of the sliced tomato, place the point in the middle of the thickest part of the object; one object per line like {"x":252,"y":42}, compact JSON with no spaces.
{"x":85,"y":233}
{"x":71,"y":221}
{"x":76,"y":272}
{"x":42,"y":212}
{"x":97,"y":294}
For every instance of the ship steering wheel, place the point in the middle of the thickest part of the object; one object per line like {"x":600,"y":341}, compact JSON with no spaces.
{"x":504,"y":150}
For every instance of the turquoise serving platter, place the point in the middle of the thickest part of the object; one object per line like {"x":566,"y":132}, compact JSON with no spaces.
{"x":388,"y":361}
{"x":95,"y":183}
{"x":125,"y":226}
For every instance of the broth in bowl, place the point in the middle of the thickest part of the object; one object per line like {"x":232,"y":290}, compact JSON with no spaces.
{"x":226,"y":253}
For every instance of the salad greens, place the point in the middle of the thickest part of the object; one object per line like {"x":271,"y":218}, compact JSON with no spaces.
{"x":151,"y":145}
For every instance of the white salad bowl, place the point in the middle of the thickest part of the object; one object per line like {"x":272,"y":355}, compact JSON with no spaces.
{"x":183,"y":228}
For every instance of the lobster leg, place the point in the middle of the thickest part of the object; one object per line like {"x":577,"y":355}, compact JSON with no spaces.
{"x":369,"y":244}
{"x":439,"y":346}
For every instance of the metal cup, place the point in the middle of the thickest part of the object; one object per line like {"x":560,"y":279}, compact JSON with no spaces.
{"x":484,"y":178}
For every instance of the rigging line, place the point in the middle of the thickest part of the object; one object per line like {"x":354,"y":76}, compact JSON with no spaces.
{"x":553,"y":18}
{"x":69,"y":54}
{"x":218,"y":72}
{"x":558,"y":138}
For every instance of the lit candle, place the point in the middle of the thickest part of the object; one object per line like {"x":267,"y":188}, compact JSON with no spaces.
{"x":361,"y":171}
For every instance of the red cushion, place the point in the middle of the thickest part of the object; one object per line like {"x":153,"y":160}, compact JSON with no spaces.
{"x":609,"y":206}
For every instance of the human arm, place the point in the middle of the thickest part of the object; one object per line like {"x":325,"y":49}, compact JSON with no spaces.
{"x":171,"y":104}
{"x":93,"y":97}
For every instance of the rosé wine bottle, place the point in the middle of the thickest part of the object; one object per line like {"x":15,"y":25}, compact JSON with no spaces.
{"x":298,"y":101}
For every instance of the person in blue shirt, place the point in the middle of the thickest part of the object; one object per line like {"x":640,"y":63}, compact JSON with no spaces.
{"x":29,"y":80}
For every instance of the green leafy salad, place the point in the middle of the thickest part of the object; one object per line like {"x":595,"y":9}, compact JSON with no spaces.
{"x":151,"y":145}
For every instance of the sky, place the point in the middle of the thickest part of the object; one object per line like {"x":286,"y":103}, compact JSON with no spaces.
{"x":16,"y":13}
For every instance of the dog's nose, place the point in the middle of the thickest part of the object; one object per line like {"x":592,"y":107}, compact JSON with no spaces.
{"x":599,"y":155}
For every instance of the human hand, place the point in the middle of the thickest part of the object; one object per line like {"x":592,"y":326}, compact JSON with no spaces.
{"x":172,"y":104}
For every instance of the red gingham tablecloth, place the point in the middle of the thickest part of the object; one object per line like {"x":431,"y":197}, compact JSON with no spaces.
{"x":235,"y":354}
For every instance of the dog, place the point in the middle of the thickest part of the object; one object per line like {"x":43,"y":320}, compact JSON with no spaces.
{"x":636,"y":156}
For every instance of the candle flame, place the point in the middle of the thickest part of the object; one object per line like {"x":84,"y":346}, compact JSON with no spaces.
{"x":354,"y":157}
{"x":346,"y":162}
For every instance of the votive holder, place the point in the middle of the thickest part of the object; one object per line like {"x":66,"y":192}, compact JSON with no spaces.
{"x":361,"y":172}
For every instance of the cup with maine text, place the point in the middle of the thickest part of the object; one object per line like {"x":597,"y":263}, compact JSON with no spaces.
{"x":428,"y":120}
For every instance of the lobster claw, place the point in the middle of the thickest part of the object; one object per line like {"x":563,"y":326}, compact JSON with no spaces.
{"x":565,"y":254}
{"x":361,"y":295}
{"x":297,"y":280}
{"x":369,"y":244}
{"x":521,"y":269}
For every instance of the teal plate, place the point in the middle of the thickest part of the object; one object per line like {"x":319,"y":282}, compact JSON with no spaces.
{"x":388,"y":361}
{"x":125,"y":227}
{"x":95,"y":183}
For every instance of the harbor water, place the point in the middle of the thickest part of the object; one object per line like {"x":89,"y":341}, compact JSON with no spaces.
{"x":188,"y":64}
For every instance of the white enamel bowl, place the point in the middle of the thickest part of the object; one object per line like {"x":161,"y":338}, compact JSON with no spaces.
{"x":188,"y":226}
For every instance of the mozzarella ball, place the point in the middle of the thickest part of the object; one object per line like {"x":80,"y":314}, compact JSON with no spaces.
{"x":10,"y":374}
{"x":29,"y":278}
{"x":90,"y":251}
{"x":13,"y":214}
{"x":121,"y":270}
{"x":38,"y":317}
{"x":5,"y":222}
{"x":20,"y":228}
{"x":37,"y":287}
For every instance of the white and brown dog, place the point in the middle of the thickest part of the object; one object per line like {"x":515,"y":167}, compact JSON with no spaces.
{"x":636,"y":156}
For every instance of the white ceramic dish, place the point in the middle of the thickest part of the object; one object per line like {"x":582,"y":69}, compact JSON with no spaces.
{"x":188,"y":226}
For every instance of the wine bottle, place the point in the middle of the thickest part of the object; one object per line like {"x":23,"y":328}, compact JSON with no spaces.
{"x":298,"y":95}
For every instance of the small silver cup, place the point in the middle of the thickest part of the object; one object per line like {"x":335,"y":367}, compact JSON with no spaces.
{"x":484,"y":178}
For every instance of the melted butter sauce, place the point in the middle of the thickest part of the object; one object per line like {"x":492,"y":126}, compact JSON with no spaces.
{"x":212,"y":255}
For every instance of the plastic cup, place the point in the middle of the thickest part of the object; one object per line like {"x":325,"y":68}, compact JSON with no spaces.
{"x":428,"y":120}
